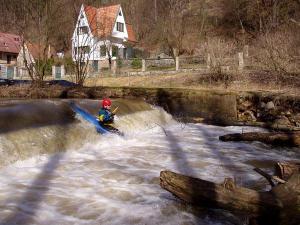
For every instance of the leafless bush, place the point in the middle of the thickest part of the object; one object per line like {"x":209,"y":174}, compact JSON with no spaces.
{"x":220,"y":57}
{"x":278,"y":52}
{"x":220,"y":54}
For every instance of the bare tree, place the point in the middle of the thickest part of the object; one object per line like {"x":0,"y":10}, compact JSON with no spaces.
{"x":34,"y":23}
{"x":84,"y":43}
{"x":279,"y":52}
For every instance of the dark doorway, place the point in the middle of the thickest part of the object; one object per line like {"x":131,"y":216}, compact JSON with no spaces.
{"x":8,"y":59}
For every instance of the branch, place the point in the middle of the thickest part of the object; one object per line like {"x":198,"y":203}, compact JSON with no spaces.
{"x":269,"y":177}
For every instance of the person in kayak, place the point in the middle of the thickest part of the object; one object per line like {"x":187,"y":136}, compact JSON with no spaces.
{"x":106,"y":117}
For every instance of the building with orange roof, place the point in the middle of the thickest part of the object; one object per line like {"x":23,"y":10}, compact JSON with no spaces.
{"x":101,"y":34}
{"x":10,"y":45}
{"x":12,"y":55}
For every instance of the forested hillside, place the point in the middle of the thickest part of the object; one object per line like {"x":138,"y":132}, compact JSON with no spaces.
{"x":174,"y":26}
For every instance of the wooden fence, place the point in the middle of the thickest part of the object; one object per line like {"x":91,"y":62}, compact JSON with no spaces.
{"x":167,"y":65}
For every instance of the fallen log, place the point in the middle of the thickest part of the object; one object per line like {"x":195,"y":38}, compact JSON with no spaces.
{"x":271,"y":126}
{"x":281,"y":205}
{"x":279,"y":138}
{"x":286,"y":170}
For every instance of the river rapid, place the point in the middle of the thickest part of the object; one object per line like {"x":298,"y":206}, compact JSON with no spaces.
{"x":55,"y":168}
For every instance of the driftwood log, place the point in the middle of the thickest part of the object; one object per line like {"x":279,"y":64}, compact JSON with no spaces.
{"x":281,"y":205}
{"x":286,"y":170}
{"x":278,"y":138}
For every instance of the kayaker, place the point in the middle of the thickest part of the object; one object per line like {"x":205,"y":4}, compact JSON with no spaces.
{"x":106,"y":117}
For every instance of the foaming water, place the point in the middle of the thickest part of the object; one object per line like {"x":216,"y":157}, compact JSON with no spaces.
{"x":115,"y":180}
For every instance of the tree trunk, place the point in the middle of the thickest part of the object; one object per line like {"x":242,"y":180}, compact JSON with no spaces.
{"x":278,"y":138}
{"x":281,"y":205}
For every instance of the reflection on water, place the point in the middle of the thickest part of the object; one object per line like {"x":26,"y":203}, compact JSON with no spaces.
{"x":114,"y":180}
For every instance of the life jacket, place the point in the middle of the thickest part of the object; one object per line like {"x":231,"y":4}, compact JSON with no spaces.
{"x":105,"y":116}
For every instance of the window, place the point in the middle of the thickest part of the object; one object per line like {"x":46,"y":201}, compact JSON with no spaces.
{"x":120,"y":13}
{"x":82,"y":50}
{"x":82,"y":30}
{"x":120,"y":27}
{"x":102,"y":50}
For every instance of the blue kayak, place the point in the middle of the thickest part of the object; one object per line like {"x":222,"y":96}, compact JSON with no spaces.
{"x":88,"y":117}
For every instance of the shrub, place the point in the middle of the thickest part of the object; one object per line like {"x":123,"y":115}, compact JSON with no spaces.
{"x":221,"y":52}
{"x":136,"y":63}
{"x":119,"y":62}
{"x":278,"y":52}
{"x":69,"y":65}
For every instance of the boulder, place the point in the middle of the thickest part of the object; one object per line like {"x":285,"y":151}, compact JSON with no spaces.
{"x":245,"y":105}
{"x":297,"y":117}
{"x":283,"y":120}
{"x":250,"y":114}
{"x":270,"y":105}
{"x":262,"y":105}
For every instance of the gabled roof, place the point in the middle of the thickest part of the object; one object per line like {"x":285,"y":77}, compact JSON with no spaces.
{"x":131,"y":34}
{"x":102,"y":20}
{"x":10,"y":43}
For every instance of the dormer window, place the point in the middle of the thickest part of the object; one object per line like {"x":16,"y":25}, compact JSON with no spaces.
{"x":83,"y":30}
{"x":120,"y":27}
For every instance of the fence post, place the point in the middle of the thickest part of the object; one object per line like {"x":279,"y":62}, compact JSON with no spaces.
{"x":114,"y":67}
{"x":63,"y":71}
{"x":143,"y":65}
{"x":241,"y":60}
{"x":246,"y":51}
{"x":53,"y":72}
{"x":15,"y":72}
{"x":208,"y":62}
{"x":177,"y":63}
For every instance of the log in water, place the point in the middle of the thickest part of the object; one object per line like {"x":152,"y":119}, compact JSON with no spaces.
{"x":278,"y":138}
{"x":281,"y":205}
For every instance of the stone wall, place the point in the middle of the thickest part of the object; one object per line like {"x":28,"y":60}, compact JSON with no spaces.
{"x":274,"y":110}
{"x":186,"y":105}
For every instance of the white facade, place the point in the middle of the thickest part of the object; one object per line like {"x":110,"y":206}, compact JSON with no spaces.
{"x":84,"y":40}
{"x":115,"y":33}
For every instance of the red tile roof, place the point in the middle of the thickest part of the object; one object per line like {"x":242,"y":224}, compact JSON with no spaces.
{"x":91,"y":13}
{"x":102,"y":21}
{"x":10,"y":43}
{"x":131,"y":34}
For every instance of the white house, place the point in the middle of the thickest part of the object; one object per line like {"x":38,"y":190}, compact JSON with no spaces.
{"x":101,"y":34}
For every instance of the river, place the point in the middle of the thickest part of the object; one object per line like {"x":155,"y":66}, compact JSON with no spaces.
{"x":55,"y":169}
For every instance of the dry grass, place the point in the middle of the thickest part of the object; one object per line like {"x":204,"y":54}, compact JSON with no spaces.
{"x":237,"y":82}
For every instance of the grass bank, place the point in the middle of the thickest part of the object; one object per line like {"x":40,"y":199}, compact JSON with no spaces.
{"x":235,"y":82}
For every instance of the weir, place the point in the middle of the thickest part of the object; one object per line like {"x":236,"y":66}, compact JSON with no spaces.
{"x":54,"y":167}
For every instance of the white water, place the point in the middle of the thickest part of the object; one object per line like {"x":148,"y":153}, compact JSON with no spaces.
{"x":115,"y":180}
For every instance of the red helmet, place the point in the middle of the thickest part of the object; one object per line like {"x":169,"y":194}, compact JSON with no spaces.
{"x":106,"y":102}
